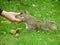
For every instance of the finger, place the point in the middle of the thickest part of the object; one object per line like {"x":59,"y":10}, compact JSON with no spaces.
{"x":17,"y":14}
{"x":14,"y":13}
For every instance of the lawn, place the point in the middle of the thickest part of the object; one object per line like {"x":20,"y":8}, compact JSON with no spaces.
{"x":44,"y":10}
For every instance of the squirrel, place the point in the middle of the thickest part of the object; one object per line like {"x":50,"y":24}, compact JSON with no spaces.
{"x":31,"y":22}
{"x":48,"y":26}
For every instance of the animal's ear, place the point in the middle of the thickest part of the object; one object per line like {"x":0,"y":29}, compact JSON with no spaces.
{"x":26,"y":12}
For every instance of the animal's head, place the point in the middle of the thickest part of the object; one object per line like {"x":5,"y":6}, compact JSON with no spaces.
{"x":24,"y":13}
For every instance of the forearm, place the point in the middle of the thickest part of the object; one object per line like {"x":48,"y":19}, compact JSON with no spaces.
{"x":1,"y":11}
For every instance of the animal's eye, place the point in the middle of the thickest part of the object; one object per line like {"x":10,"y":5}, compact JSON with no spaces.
{"x":21,"y":12}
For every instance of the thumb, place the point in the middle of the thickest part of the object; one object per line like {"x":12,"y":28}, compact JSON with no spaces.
{"x":18,"y":20}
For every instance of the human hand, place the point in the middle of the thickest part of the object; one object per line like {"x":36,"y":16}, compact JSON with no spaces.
{"x":11,"y":16}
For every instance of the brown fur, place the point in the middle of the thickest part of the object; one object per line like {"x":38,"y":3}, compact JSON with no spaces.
{"x":31,"y":22}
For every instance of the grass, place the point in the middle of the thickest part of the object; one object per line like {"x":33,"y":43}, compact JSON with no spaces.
{"x":45,"y":10}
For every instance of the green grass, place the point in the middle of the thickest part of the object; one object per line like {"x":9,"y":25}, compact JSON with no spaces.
{"x":45,"y":10}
